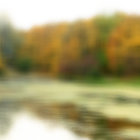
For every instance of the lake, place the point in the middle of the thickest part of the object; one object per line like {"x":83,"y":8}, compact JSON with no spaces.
{"x":38,"y":108}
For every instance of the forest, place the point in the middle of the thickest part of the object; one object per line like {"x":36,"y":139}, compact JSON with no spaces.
{"x":105,"y":45}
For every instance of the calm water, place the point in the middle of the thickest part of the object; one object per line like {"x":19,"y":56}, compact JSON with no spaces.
{"x":49,"y":109}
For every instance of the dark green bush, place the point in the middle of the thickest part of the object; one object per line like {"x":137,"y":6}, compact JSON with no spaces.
{"x":24,"y":64}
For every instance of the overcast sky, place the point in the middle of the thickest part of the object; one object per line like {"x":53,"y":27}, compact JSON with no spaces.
{"x":26,"y":13}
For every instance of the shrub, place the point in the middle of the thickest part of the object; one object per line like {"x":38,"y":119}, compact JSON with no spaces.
{"x":24,"y":64}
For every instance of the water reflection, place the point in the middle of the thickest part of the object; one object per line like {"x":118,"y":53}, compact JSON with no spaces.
{"x":78,"y":113}
{"x":26,"y":126}
{"x":75,"y":119}
{"x":33,"y":118}
{"x":8,"y":108}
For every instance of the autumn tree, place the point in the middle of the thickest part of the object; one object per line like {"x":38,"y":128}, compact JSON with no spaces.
{"x":105,"y":25}
{"x":124,"y":46}
{"x":45,"y":44}
{"x":79,"y":43}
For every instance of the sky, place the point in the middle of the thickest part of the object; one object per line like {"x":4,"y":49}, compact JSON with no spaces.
{"x":26,"y":13}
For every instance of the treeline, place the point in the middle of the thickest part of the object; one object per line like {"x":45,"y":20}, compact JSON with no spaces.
{"x":103,"y":45}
